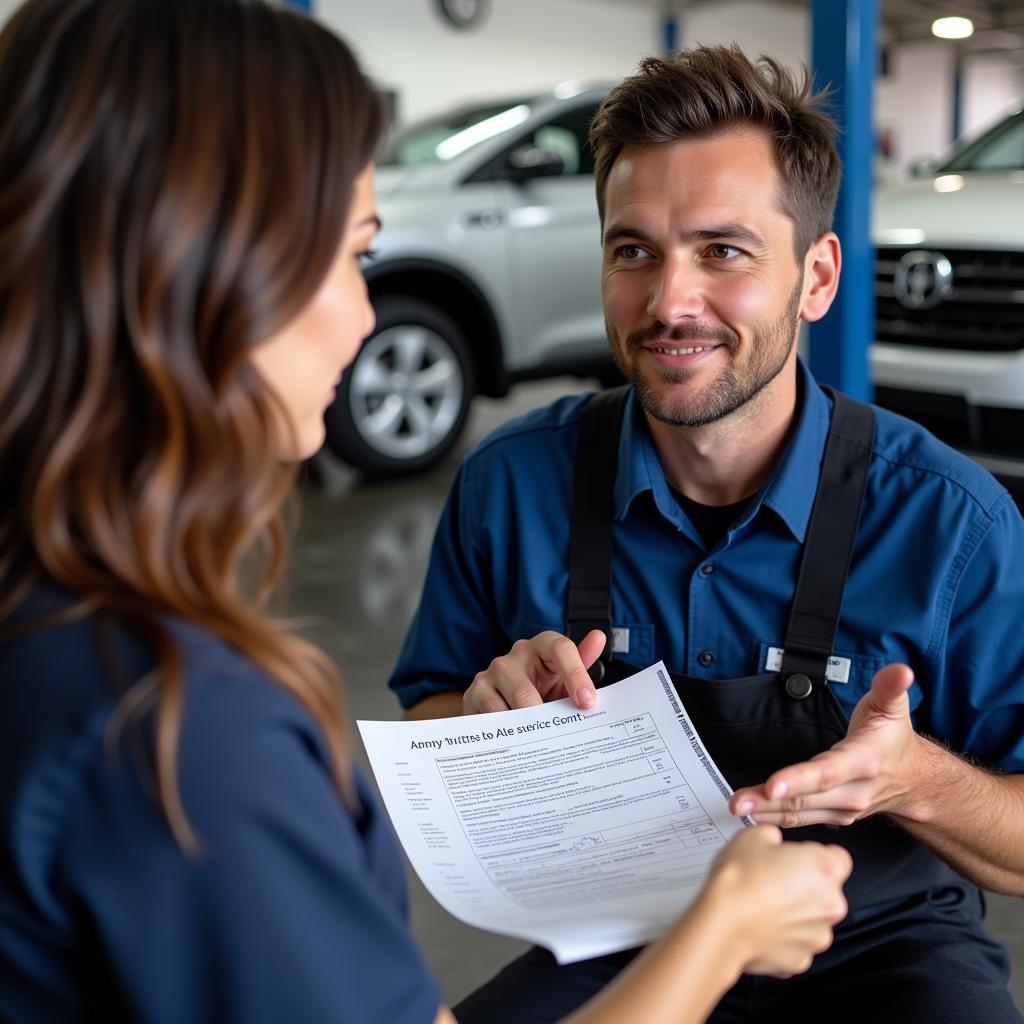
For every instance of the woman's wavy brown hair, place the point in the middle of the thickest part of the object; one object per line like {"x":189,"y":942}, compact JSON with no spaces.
{"x":175,"y":178}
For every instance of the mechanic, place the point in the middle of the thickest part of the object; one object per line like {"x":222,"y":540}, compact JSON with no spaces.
{"x":837,"y":594}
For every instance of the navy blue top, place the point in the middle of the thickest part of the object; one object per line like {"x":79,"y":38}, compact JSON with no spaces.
{"x":936,"y":579}
{"x":294,"y":912}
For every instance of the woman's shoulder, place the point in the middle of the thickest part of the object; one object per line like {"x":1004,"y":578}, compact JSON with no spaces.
{"x":63,"y":668}
{"x":243,"y":741}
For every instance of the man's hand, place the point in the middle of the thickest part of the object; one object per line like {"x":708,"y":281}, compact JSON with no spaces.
{"x":548,"y":667}
{"x":870,"y":771}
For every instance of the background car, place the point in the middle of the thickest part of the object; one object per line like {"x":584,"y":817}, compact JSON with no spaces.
{"x":486,"y":273}
{"x":949,"y":341}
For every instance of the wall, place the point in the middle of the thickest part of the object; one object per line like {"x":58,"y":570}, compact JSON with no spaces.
{"x":991,"y":86}
{"x":915,"y":101}
{"x":757,"y":27}
{"x":531,"y":44}
{"x":522,"y":46}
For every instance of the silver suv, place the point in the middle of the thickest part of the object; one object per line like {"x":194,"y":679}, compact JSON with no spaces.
{"x":486,"y":273}
{"x":949,"y":283}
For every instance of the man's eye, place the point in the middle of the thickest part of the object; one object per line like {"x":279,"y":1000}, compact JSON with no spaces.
{"x":723,"y":252}
{"x":631,"y":252}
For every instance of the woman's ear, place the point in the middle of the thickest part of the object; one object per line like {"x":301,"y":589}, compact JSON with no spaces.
{"x":821,"y":276}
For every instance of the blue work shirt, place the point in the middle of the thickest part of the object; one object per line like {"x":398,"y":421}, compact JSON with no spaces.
{"x":936,"y":580}
{"x":293,"y":911}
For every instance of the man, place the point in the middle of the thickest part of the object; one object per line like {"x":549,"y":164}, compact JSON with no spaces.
{"x":838,"y":595}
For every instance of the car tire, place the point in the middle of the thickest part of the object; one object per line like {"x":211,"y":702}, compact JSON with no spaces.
{"x":403,"y":402}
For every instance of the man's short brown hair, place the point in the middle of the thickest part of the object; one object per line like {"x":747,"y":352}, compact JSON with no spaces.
{"x":703,"y":92}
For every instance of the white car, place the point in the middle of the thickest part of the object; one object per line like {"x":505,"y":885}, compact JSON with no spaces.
{"x":487,"y":272}
{"x":949,"y":282}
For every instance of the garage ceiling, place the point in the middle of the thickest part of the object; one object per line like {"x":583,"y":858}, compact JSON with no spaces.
{"x":998,"y":24}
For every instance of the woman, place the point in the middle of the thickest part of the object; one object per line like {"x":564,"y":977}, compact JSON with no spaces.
{"x":185,"y":199}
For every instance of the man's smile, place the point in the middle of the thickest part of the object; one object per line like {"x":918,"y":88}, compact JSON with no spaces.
{"x":665,"y":350}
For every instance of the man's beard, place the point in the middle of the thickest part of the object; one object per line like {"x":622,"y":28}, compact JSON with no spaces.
{"x":732,"y":389}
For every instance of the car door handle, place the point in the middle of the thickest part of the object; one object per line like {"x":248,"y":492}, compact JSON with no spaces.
{"x":488,"y":219}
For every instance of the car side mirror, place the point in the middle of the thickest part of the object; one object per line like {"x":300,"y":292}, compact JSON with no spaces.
{"x":531,"y":161}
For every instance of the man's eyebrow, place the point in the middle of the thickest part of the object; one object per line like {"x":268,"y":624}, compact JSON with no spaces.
{"x":730,"y":232}
{"x":617,"y":231}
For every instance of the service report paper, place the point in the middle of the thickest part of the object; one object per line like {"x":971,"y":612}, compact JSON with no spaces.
{"x":587,"y":832}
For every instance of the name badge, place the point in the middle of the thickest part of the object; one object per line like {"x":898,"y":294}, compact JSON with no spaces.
{"x":838,"y":670}
{"x":620,"y":640}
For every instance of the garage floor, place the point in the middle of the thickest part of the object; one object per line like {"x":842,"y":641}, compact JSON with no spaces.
{"x":357,"y":567}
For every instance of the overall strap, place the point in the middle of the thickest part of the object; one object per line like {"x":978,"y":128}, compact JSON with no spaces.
{"x":825,"y":564}
{"x":589,"y":600}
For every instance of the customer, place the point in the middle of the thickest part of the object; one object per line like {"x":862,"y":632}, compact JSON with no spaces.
{"x":185,"y":199}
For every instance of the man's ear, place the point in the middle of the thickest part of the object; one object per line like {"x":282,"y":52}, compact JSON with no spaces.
{"x":821,"y":276}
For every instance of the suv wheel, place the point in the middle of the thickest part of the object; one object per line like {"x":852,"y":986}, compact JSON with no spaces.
{"x":403,"y":402}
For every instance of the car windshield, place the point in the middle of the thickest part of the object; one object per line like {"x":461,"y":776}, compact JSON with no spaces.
{"x":1000,"y":149}
{"x":448,"y":135}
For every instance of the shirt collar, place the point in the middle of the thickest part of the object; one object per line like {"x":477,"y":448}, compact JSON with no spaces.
{"x":638,"y":467}
{"x":789,"y":490}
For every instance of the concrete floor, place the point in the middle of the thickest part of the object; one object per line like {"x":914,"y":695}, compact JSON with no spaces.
{"x":357,"y":567}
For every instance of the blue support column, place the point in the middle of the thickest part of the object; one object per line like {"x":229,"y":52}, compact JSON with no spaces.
{"x":669,"y":34}
{"x":671,"y":27}
{"x":958,"y":94}
{"x":843,"y":55}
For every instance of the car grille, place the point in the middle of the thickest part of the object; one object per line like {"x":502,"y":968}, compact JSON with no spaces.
{"x":984,"y":312}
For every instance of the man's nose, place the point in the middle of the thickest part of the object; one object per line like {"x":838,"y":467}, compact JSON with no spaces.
{"x":678,"y":292}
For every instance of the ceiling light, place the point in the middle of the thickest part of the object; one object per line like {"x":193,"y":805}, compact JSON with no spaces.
{"x":953,"y":28}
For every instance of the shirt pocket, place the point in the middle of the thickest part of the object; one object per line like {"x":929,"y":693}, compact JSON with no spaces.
{"x":862,"y":669}
{"x":631,"y":641}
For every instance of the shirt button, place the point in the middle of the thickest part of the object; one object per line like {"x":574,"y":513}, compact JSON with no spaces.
{"x":706,"y":658}
{"x":707,"y":568}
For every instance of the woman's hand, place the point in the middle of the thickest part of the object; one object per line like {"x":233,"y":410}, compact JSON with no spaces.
{"x":781,"y":898}
{"x":767,"y":908}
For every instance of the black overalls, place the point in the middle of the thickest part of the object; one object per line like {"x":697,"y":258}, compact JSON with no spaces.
{"x":754,"y":726}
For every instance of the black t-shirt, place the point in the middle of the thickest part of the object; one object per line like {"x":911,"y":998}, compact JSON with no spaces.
{"x":712,"y":521}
